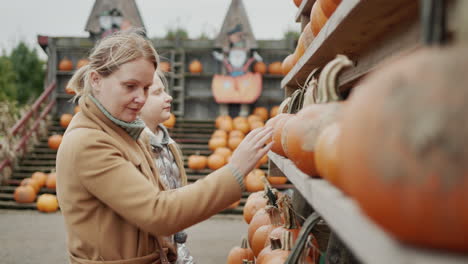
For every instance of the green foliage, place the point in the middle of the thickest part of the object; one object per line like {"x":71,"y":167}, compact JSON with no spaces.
{"x":29,"y":71}
{"x":291,"y":34}
{"x":7,"y":80}
{"x":179,"y":32}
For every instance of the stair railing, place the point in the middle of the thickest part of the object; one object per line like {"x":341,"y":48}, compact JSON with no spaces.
{"x":20,"y":126}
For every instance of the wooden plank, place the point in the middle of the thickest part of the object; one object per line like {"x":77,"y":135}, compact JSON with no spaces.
{"x":365,"y":239}
{"x":355,"y":27}
{"x":304,"y":9}
{"x":17,"y":206}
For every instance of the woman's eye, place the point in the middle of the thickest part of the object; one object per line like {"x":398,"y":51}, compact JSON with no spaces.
{"x":130,"y":86}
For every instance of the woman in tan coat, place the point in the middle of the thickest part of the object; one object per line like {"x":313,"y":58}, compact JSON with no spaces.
{"x":115,"y":207}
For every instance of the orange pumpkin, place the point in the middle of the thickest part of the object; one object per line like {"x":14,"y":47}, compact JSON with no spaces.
{"x":240,"y":119}
{"x":238,"y":254}
{"x":403,"y":151}
{"x":263,"y":160}
{"x":329,"y":6}
{"x":277,"y":180}
{"x":217,"y":142}
{"x":326,"y":154}
{"x":65,"y":120}
{"x":298,"y":2}
{"x":256,"y":124}
{"x":47,"y":203}
{"x":219,"y":133}
{"x":254,"y":202}
{"x":236,"y":133}
{"x":40,"y":177}
{"x":300,"y":133}
{"x":216,"y":161}
{"x":277,"y":147}
{"x":307,"y":36}
{"x":197,"y":162}
{"x":253,"y":118}
{"x":65,"y":65}
{"x":219,"y":119}
{"x":69,"y":90}
{"x":262,"y":234}
{"x":260,"y":67}
{"x":51,"y":182}
{"x":253,"y":180}
{"x":233,"y":142}
{"x":288,"y":63}
{"x":261,"y":112}
{"x":195,"y":66}
{"x":165,"y":66}
{"x":31,"y":182}
{"x":275,"y":68}
{"x":81,"y":63}
{"x":260,"y":218}
{"x":274,"y":111}
{"x":54,"y":141}
{"x":170,"y":123}
{"x":224,"y":123}
{"x":271,"y":245}
{"x":223,"y":151}
{"x":317,"y":18}
{"x":76,"y":109}
{"x":25,"y":194}
{"x":244,"y":127}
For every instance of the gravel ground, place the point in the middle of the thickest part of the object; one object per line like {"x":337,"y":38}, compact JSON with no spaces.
{"x":30,"y":237}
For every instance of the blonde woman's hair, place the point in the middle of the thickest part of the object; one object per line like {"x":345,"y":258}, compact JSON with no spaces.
{"x":109,"y":54}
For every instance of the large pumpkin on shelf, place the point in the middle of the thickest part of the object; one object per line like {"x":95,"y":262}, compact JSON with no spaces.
{"x":255,"y":202}
{"x":47,"y":203}
{"x":195,"y":66}
{"x":65,"y":120}
{"x":326,"y":154}
{"x":54,"y":141}
{"x":300,"y":133}
{"x":317,"y":18}
{"x":277,"y":147}
{"x":288,"y":63}
{"x":24,"y":194}
{"x":65,"y":65}
{"x":329,"y":6}
{"x":403,"y":151}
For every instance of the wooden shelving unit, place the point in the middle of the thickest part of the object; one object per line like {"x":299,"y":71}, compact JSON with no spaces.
{"x":367,"y":240}
{"x":369,"y":32}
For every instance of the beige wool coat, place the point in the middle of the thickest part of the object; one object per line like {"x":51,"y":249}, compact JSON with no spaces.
{"x":114,"y":207}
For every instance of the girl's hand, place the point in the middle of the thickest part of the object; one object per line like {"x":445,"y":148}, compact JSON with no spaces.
{"x":251,"y":149}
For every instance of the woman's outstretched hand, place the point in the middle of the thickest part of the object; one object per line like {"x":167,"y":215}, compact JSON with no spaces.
{"x":251,"y":149}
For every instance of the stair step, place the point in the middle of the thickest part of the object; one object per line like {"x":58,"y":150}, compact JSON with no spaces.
{"x":17,"y":206}
{"x":40,"y":156}
{"x":34,"y":162}
{"x":32,"y":169}
{"x":6,"y":197}
{"x":11,"y":189}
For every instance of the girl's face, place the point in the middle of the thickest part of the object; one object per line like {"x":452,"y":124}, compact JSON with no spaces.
{"x":124,"y":92}
{"x":158,"y":105}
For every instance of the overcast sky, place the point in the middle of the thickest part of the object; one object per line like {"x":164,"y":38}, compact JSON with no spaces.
{"x":25,"y":19}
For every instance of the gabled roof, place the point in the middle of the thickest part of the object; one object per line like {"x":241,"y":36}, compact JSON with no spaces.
{"x":128,"y":8}
{"x":236,"y":15}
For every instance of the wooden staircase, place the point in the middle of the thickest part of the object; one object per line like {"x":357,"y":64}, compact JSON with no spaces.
{"x":191,"y":135}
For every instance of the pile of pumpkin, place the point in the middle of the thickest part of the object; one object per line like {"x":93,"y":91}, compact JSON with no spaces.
{"x":66,"y":64}
{"x":225,"y":139}
{"x":397,"y":146}
{"x":29,"y":188}
{"x":272,"y":232}
{"x":321,"y":11}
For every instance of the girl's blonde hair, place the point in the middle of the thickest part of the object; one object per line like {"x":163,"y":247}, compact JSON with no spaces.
{"x":109,"y":54}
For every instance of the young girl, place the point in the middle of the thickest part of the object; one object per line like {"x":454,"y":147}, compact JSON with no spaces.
{"x":115,"y":206}
{"x":166,"y":154}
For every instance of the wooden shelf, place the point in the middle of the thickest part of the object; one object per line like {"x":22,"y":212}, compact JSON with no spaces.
{"x":368,"y":242}
{"x":367,"y":31}
{"x":304,"y":9}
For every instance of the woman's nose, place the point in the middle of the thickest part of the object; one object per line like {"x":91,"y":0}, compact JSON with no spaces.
{"x":140,"y":96}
